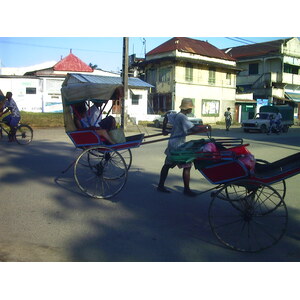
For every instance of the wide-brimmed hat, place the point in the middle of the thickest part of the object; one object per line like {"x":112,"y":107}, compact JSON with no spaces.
{"x":186,"y":103}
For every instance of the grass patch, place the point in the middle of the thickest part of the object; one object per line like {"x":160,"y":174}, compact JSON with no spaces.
{"x":42,"y":120}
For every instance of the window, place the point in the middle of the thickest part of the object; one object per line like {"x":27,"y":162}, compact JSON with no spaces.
{"x":151,"y":76}
{"x":30,"y":91}
{"x":165,"y":74}
{"x":135,"y":99}
{"x":253,"y":69}
{"x":291,"y":69}
{"x":212,"y":76}
{"x":228,"y":78}
{"x":189,"y":72}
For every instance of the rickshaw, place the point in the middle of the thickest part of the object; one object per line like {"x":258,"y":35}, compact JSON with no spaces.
{"x":101,"y":170}
{"x":247,"y":211}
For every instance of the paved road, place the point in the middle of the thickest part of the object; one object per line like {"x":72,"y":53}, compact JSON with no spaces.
{"x":43,"y":219}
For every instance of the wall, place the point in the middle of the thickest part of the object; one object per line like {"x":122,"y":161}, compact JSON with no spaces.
{"x":138,"y":112}
{"x":211,"y":100}
{"x":21,"y":88}
{"x":34,"y":94}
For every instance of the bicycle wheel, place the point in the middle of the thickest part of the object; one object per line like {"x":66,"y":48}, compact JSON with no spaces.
{"x":100,"y":172}
{"x":24,"y":134}
{"x":244,"y":224}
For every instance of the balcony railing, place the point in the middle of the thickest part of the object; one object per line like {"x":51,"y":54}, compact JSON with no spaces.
{"x":266,"y":79}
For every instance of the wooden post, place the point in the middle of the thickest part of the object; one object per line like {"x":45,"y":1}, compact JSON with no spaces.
{"x":125,"y":82}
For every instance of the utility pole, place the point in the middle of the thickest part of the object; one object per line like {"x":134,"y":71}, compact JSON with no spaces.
{"x":125,"y":82}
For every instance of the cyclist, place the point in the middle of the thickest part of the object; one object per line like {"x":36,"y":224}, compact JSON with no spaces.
{"x":13,"y":119}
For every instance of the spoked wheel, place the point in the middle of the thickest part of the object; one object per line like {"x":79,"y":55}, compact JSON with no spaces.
{"x":100,"y":172}
{"x":248,"y":222}
{"x":125,"y":153}
{"x":262,"y":194}
{"x":279,"y":186}
{"x":24,"y":134}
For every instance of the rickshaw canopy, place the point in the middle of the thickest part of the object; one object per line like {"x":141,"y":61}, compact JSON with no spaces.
{"x":80,"y":87}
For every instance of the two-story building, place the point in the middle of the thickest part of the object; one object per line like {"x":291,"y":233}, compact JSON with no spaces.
{"x":269,"y":70}
{"x":189,"y":68}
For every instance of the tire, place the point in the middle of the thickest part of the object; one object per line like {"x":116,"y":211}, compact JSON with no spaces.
{"x":100,"y":172}
{"x":243,"y":224}
{"x":24,"y":134}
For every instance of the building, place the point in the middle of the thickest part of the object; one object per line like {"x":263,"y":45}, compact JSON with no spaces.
{"x":270,"y":70}
{"x":37,"y":88}
{"x":188,"y":68}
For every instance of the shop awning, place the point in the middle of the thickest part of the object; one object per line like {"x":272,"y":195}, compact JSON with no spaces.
{"x":293,"y":96}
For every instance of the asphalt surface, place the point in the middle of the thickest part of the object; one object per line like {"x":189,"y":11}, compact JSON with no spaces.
{"x":45,"y":217}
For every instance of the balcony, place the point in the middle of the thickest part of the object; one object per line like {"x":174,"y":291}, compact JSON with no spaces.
{"x":269,"y":79}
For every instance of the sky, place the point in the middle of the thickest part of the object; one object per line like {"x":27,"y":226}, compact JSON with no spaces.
{"x":105,"y":52}
{"x":94,"y":29}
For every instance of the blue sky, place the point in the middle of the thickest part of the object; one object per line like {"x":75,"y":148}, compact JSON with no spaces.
{"x":106,"y":52}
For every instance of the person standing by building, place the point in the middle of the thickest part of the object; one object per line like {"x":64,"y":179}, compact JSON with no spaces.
{"x":228,"y":118}
{"x":13,"y":119}
{"x":181,"y":127}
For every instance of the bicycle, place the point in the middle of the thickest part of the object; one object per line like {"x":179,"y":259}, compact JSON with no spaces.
{"x":23,"y":134}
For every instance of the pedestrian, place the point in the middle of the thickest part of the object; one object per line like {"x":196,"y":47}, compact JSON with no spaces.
{"x":181,"y":127}
{"x":228,"y":118}
{"x":13,"y":119}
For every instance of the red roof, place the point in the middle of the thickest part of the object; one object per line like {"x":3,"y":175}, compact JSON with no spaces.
{"x":189,"y":45}
{"x":258,"y":49}
{"x":72,"y":63}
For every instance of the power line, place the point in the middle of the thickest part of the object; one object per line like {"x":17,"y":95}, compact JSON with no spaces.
{"x":246,"y":40}
{"x":240,"y":41}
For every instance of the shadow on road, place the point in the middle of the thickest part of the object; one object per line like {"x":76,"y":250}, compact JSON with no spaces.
{"x":141,"y":224}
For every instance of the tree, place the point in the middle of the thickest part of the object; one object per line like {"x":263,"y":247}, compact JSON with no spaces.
{"x":93,"y":66}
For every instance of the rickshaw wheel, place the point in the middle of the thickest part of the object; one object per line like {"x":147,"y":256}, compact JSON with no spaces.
{"x":125,"y":153}
{"x":261,"y":194}
{"x":100,"y":172}
{"x":280,"y":186}
{"x":247,"y":223}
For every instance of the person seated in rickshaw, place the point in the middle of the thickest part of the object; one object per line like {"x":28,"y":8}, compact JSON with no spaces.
{"x":101,"y":128}
{"x":93,"y":115}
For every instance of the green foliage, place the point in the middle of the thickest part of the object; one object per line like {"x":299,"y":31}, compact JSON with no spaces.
{"x":42,"y":120}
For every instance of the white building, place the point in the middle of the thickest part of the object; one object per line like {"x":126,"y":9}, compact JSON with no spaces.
{"x":37,"y":88}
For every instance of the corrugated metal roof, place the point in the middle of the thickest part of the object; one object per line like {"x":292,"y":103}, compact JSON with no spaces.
{"x":133,"y":82}
{"x":188,"y":45}
{"x":254,"y":50}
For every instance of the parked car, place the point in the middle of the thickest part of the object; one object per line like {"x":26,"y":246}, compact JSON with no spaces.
{"x":158,"y":122}
{"x":261,"y":121}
